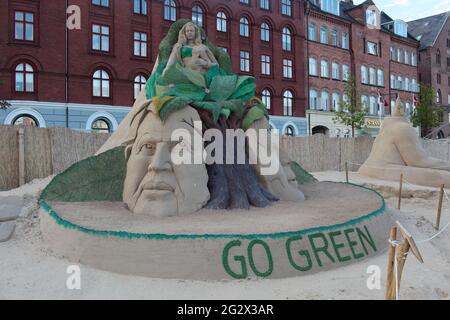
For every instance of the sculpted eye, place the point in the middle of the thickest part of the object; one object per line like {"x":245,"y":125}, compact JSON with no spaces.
{"x":147,"y":149}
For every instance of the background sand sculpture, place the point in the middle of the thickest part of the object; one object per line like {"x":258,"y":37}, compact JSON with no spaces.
{"x":398,"y":150}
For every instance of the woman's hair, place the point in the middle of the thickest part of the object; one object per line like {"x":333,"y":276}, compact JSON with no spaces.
{"x":182,"y":39}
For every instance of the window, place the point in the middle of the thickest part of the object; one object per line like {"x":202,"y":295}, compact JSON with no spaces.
{"x":335,"y":68}
{"x":290,"y":132}
{"x":324,"y":35}
{"x":336,"y":102}
{"x":101,"y":84}
{"x":197,"y":15}
{"x":287,"y":39}
{"x":287,"y":69}
{"x":100,"y":38}
{"x":401,"y":28}
{"x":331,"y":6}
{"x":140,"y":44}
{"x":265,"y":65}
{"x":313,"y":100}
{"x":392,"y":54}
{"x":24,"y":78}
{"x":267,"y":98}
{"x":264,"y":4}
{"x":371,"y":17}
{"x":380,"y":77}
{"x":103,"y":3}
{"x":364,"y":75}
{"x":286,"y":7}
{"x":334,"y":38}
{"x":399,"y":83}
{"x":414,"y":59}
{"x":24,"y":26}
{"x":288,"y":102}
{"x":324,"y":69}
{"x":406,"y":56}
{"x":325,"y":101}
{"x":312,"y":32}
{"x":140,"y":7}
{"x":372,"y":76}
{"x":392,"y":81}
{"x":407,"y":84}
{"x":439,"y":96}
{"x":170,"y":10}
{"x":372,"y":48}
{"x":221,"y":22}
{"x":399,"y":55}
{"x":244,"y":29}
{"x":25,"y":120}
{"x":265,"y":32}
{"x":373,"y":108}
{"x":312,"y":67}
{"x":245,"y":61}
{"x":139,"y":85}
{"x":438,"y":57}
{"x":345,"y":40}
{"x":438,"y":78}
{"x":345,"y":72}
{"x":244,"y":1}
{"x":101,"y":125}
{"x":364,"y":102}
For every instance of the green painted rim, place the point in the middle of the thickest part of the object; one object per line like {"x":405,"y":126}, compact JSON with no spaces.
{"x":130,"y":235}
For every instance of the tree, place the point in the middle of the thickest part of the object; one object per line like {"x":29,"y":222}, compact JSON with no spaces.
{"x":4,"y":104}
{"x":427,"y":115}
{"x":352,"y":113}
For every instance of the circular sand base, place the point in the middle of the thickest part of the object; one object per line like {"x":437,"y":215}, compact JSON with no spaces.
{"x":337,"y":225}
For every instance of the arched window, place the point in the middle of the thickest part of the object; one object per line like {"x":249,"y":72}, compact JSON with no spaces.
{"x":25,"y":120}
{"x":407,"y":84}
{"x":313,"y":98}
{"x":244,"y":27}
{"x":221,"y":21}
{"x":325,"y":101}
{"x":439,"y":96}
{"x":24,"y":78}
{"x":312,"y":66}
{"x":380,"y":77}
{"x":414,"y":59}
{"x":265,"y":32}
{"x":287,"y":39}
{"x":406,"y":56}
{"x":101,"y":84}
{"x":170,"y":10}
{"x":399,"y":55}
{"x":267,"y":98}
{"x":312,"y":32}
{"x":345,"y":40}
{"x":372,"y":76}
{"x":101,"y":125}
{"x":286,"y":7}
{"x":334,"y":38}
{"x":290,"y":131}
{"x":324,"y":35}
{"x":324,"y":69}
{"x":197,"y":15}
{"x":139,"y":85}
{"x":364,"y":75}
{"x":288,"y":102}
{"x":392,"y":81}
{"x":336,"y":101}
{"x":373,"y":109}
{"x":364,"y":102}
{"x":335,"y":71}
{"x":345,"y":72}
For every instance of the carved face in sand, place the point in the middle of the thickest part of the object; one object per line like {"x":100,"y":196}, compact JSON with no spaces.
{"x":154,"y":185}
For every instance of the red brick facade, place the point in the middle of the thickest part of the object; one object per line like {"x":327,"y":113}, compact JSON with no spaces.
{"x":58,"y":82}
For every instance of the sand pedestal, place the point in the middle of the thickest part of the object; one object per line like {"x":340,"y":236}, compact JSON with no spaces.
{"x":339,"y":224}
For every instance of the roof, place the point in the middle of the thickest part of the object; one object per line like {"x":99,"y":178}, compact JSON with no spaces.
{"x":428,"y":28}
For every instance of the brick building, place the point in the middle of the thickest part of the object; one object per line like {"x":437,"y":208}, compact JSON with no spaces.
{"x":356,"y":40}
{"x":434,"y":61}
{"x":88,"y":78}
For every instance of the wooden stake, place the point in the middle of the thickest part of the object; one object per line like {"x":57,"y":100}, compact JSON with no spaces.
{"x":400,"y":191}
{"x":21,"y":141}
{"x":390,"y":272}
{"x":439,"y":212}
{"x":346,"y":172}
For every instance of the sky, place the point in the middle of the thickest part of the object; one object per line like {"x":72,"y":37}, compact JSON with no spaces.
{"x":408,"y":10}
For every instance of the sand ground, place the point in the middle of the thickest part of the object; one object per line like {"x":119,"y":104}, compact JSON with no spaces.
{"x":28,"y":270}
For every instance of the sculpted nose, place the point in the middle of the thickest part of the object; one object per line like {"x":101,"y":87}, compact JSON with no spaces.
{"x":161,"y":159}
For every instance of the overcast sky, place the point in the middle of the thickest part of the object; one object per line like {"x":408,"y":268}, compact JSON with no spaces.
{"x":411,"y":9}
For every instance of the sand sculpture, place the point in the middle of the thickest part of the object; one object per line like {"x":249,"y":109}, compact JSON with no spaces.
{"x":398,"y":150}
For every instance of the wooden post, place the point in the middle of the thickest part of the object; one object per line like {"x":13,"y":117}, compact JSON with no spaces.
{"x":21,"y":142}
{"x":346,"y":172}
{"x":439,"y":212}
{"x":390,"y":273}
{"x":400,"y":191}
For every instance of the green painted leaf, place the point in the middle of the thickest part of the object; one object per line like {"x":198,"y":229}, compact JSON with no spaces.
{"x":175,"y":75}
{"x":303,"y":176}
{"x":211,"y":106}
{"x":254,"y":114}
{"x":194,"y":77}
{"x":235,"y":106}
{"x":222,"y":87}
{"x":190,"y":91}
{"x":173,"y":105}
{"x":98,"y":178}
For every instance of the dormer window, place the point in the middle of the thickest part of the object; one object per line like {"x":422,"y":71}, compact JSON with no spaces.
{"x":331,"y":6}
{"x":401,"y":28}
{"x":371,"y":17}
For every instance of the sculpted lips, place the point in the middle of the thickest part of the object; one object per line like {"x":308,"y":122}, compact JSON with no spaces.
{"x":158,"y":185}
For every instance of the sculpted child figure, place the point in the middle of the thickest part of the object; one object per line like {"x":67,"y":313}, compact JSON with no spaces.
{"x":398,"y":149}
